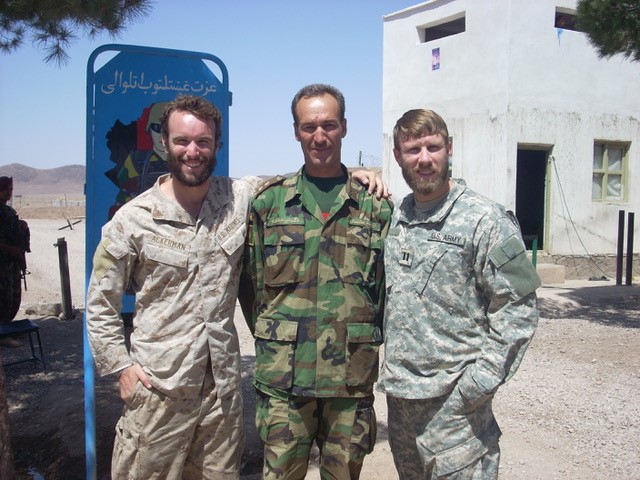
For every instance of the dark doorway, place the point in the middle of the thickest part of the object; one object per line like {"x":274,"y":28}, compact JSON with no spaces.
{"x":530,"y":195}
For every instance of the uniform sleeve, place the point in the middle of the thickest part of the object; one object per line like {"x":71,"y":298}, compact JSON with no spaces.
{"x":385,"y":217}
{"x":507,"y":281}
{"x":255,"y":183}
{"x":109,"y":277}
{"x":251,"y":272}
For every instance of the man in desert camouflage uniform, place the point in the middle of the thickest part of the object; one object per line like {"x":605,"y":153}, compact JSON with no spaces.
{"x":460,"y":313}
{"x":179,"y":245}
{"x":314,"y":299}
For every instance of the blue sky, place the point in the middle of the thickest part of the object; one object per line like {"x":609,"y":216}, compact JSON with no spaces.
{"x":270,"y":48}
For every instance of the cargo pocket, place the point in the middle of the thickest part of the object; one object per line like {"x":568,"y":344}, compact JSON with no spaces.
{"x":275,"y":347}
{"x":457,"y":439}
{"x":125,"y":461}
{"x":363,"y":344}
{"x":364,"y":430}
{"x":460,"y":456}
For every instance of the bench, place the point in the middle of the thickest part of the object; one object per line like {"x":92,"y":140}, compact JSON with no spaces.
{"x":24,"y":327}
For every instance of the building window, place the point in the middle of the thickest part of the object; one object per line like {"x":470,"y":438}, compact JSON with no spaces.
{"x":566,"y":19}
{"x":609,"y":171}
{"x":444,"y":28}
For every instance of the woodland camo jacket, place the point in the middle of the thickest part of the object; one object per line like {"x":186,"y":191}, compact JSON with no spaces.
{"x":313,"y":289}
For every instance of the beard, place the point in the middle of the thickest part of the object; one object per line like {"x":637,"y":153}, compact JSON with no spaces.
{"x":422,"y":186}
{"x":193,"y":180}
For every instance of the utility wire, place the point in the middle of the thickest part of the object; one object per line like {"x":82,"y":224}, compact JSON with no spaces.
{"x":565,"y":208}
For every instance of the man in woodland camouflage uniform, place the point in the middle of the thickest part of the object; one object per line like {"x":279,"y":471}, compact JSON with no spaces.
{"x":460,"y":313}
{"x":314,"y":299}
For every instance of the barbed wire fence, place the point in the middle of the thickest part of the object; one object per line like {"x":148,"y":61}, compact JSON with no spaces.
{"x":368,"y":160}
{"x":62,"y":201}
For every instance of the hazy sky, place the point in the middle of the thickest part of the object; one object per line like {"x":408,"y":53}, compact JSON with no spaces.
{"x":270,"y":48}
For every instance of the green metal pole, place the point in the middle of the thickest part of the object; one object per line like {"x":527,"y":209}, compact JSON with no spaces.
{"x":534,"y":251}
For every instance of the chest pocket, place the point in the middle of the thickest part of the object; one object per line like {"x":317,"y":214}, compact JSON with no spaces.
{"x":432,"y":269}
{"x":364,"y":247}
{"x":166,"y":256}
{"x":284,"y":252}
{"x":231,"y":239}
{"x":163,"y":271}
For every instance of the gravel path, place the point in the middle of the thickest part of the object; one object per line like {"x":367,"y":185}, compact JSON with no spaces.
{"x":571,"y":412}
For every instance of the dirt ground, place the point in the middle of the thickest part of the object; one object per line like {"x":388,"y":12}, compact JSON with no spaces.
{"x":571,"y":412}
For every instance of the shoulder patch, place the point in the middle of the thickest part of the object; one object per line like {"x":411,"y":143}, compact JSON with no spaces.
{"x":506,"y":251}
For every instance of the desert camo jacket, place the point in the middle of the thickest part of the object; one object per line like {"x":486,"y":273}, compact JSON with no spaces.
{"x":461,"y":303}
{"x":185,"y":273}
{"x":314,"y":290}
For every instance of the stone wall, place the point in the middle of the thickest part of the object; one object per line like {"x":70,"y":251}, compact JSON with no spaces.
{"x":582,"y":267}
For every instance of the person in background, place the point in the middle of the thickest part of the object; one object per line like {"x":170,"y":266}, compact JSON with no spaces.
{"x":14,"y":244}
{"x":179,"y":247}
{"x":313,"y":296}
{"x":460,"y":313}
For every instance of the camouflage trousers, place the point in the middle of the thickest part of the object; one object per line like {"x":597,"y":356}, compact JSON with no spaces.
{"x":10,"y":291}
{"x":443,"y":438}
{"x":343,"y":428}
{"x":159,"y":437}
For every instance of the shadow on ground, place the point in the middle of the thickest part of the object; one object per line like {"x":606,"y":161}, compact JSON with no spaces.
{"x":615,"y":305}
{"x":46,"y":410}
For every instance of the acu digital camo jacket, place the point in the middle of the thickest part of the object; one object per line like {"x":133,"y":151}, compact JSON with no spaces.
{"x":185,"y":274}
{"x":314,"y":290}
{"x":461,"y":304}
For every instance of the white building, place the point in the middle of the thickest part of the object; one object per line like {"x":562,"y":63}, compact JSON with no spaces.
{"x":539,"y":123}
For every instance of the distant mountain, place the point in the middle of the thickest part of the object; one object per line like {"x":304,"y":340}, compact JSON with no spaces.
{"x":68,"y":180}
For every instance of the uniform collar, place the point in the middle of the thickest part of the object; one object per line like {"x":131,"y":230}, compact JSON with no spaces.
{"x":163,"y":208}
{"x":406,"y":212}
{"x":352,"y":190}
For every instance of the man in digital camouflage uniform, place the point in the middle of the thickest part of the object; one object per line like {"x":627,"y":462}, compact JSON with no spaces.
{"x":460,"y":312}
{"x":179,"y":245}
{"x":314,"y":300}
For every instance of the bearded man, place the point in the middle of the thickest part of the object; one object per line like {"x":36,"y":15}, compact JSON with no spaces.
{"x":460,"y":312}
{"x":179,"y":247}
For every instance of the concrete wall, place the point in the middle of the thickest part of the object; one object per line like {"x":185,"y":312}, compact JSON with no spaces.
{"x":513,"y":79}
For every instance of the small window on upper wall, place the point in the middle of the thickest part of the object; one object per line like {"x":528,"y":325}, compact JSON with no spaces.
{"x":566,"y":19}
{"x":609,"y":181}
{"x":444,"y":28}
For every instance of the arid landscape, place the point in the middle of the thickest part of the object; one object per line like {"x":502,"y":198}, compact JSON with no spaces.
{"x":571,"y":412}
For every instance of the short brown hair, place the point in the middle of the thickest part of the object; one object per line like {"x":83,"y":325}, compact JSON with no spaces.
{"x":198,"y":107}
{"x":418,"y":122}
